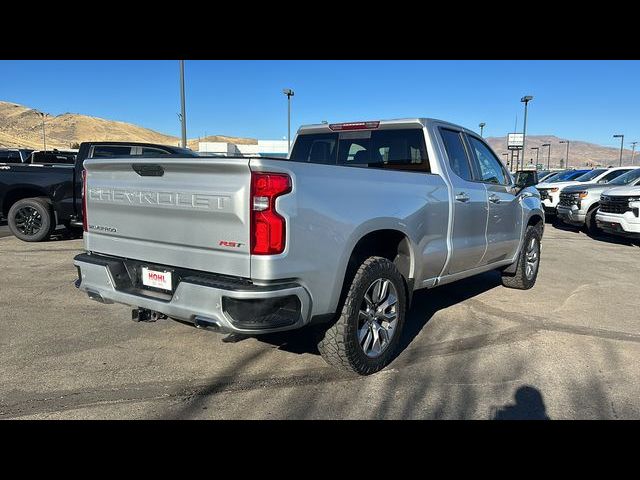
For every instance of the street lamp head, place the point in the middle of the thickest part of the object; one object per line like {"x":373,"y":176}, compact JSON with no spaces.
{"x":535,"y":148}
{"x":481,"y":124}
{"x":526,"y":98}
{"x":618,"y":136}
{"x":288,"y":92}
{"x":563,"y":141}
{"x":546,"y":144}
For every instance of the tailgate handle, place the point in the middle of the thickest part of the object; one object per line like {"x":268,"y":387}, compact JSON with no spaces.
{"x":148,"y":170}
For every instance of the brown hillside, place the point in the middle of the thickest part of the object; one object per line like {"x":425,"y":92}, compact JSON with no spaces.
{"x":21,"y":126}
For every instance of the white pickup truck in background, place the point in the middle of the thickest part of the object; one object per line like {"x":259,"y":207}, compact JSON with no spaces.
{"x":619,"y":211}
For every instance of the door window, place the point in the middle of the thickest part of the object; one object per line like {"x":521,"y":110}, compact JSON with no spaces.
{"x":490,"y":168}
{"x":458,"y":159}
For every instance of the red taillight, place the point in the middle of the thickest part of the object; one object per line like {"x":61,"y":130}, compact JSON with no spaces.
{"x":84,"y":200}
{"x":354,"y":126}
{"x":268,"y":229}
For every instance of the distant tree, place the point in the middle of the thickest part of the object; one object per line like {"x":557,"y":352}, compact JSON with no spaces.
{"x":562,"y":163}
{"x":75,"y":145}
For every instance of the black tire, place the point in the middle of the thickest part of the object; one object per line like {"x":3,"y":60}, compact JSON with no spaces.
{"x":339,"y":344}
{"x":590,"y":222}
{"x":520,"y":280}
{"x":41,"y":207}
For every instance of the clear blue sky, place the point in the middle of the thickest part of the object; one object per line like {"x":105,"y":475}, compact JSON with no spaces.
{"x":580,"y":100}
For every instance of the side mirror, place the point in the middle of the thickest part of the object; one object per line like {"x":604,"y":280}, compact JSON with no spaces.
{"x":526,"y":179}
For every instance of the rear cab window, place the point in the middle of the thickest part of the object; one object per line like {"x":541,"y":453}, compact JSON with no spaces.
{"x":53,"y":157}
{"x":10,"y":156}
{"x":391,"y":149}
{"x":101,"y":151}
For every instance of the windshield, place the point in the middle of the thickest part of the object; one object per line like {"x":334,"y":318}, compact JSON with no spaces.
{"x":551,"y":176}
{"x":627,"y":178}
{"x":568,"y":175}
{"x":591,"y":175}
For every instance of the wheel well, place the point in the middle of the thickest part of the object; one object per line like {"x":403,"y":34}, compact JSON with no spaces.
{"x":535,"y":221}
{"x":19,"y":194}
{"x":593,"y":206}
{"x":390,"y":244}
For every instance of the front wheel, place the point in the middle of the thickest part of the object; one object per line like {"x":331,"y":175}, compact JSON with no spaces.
{"x":528,"y":262}
{"x":366,"y":334}
{"x":590,"y":222}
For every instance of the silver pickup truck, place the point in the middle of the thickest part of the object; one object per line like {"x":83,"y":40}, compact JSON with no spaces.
{"x":336,"y":237}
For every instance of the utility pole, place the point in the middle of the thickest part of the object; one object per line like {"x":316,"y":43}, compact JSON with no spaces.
{"x":44,"y":136}
{"x":537,"y":149}
{"x":621,"y":137}
{"x":289,"y":93}
{"x":183,"y":115}
{"x":566,"y":163}
{"x":548,"y":155}
{"x":526,"y":99}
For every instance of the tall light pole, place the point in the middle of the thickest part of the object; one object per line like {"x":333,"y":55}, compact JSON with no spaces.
{"x":481,"y":125}
{"x":289,"y":93}
{"x":548,"y":155}
{"x":526,"y":99}
{"x":44,"y":136}
{"x":566,"y":163}
{"x":633,"y":150}
{"x":183,"y":115}
{"x":537,"y":149}
{"x":621,"y":137}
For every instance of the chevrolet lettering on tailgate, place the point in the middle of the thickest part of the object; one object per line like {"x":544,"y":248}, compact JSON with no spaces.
{"x":163,"y":199}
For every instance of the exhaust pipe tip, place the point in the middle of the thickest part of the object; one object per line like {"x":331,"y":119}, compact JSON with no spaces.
{"x":206,"y":323}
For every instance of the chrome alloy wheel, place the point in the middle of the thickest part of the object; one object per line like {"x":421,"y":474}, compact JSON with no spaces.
{"x":28,"y":220}
{"x":532,"y":258}
{"x":378,"y":317}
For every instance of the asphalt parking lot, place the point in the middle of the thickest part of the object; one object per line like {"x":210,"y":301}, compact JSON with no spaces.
{"x":567,"y":349}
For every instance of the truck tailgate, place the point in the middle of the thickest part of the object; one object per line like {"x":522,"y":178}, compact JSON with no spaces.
{"x":187,"y":212}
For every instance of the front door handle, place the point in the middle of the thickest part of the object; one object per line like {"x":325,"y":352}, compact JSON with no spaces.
{"x":462,"y":197}
{"x":494,"y":198}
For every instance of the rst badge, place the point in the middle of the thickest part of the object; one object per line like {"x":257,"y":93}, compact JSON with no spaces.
{"x":226,"y":243}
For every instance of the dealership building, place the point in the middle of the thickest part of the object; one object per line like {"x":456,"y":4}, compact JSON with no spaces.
{"x":264,"y":148}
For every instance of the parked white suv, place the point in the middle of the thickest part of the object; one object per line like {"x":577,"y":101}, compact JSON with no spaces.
{"x":619,"y":211}
{"x":550,"y":191}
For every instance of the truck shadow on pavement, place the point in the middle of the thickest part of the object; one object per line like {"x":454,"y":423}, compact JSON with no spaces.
{"x":425,"y":304}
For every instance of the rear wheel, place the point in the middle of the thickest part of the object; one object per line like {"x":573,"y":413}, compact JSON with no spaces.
{"x":366,"y":334}
{"x":31,"y":219}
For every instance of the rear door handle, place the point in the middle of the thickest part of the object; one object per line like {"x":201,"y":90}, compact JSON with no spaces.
{"x":494,"y":199}
{"x":462,"y":197}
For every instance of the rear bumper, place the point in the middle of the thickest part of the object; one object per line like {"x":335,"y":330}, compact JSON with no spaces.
{"x":618,"y":225}
{"x":231,"y":305}
{"x":571,"y":215}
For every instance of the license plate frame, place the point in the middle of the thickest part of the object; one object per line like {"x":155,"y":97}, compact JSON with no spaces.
{"x":156,"y":279}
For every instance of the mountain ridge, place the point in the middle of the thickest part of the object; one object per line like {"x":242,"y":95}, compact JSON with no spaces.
{"x":21,"y":126}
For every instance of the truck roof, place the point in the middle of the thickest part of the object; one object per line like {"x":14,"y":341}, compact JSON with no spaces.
{"x":389,"y":123}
